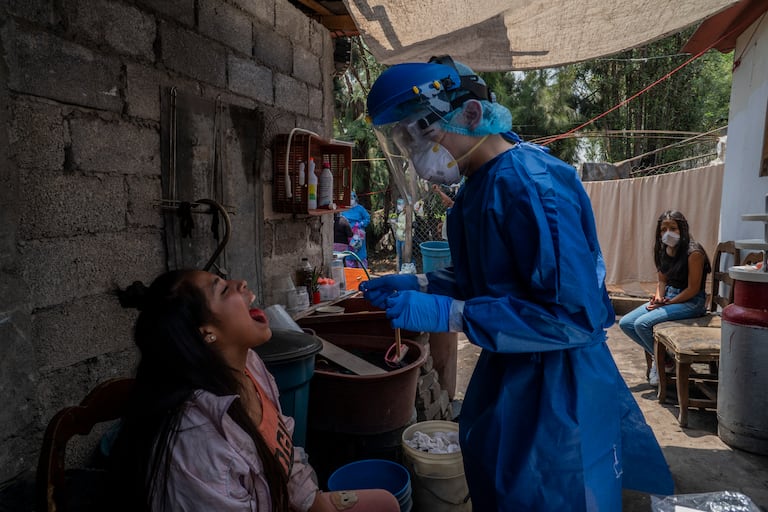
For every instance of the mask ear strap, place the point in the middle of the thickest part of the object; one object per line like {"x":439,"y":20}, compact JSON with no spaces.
{"x":472,"y":150}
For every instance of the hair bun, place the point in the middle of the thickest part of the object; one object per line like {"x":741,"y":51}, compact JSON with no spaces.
{"x":134,"y":296}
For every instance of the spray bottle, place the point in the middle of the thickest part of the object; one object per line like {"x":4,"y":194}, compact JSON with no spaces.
{"x":312,"y":186}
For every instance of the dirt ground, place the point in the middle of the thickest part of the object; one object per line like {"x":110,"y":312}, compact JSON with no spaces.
{"x":700,"y":462}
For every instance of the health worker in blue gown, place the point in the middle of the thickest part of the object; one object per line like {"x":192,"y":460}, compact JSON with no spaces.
{"x":359,"y":218}
{"x":547,"y":423}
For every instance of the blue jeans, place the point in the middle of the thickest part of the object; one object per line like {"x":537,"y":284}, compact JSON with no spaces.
{"x":638,"y":323}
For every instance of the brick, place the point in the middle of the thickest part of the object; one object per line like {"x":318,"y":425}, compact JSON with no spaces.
{"x":192,"y":55}
{"x":226,"y":24}
{"x":61,"y":270}
{"x":250,"y":79}
{"x":38,"y":135}
{"x":58,"y":205}
{"x":306,"y":67}
{"x":43,"y":65}
{"x":291,"y":94}
{"x":123,"y":28}
{"x":263,"y":10}
{"x":144,"y":194}
{"x":182,"y":11}
{"x":272,"y":49}
{"x":69,"y":333}
{"x":114,"y":147}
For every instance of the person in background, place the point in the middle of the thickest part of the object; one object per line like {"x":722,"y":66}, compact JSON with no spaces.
{"x":547,"y":421}
{"x":448,"y":203}
{"x":204,"y":429}
{"x":397,"y":221}
{"x":342,"y":233}
{"x":358,"y":218}
{"x":682,"y":266}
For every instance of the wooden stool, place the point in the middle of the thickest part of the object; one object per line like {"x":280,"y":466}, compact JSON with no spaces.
{"x":689,"y":345}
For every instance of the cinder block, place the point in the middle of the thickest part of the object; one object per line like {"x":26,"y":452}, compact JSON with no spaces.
{"x":226,"y":24}
{"x":61,"y":270}
{"x":121,"y":27}
{"x":292,"y":22}
{"x":182,"y":11}
{"x":60,"y":205}
{"x":193,"y":55}
{"x":263,"y":10}
{"x":316,"y":98}
{"x":291,"y":94}
{"x":272,"y":49}
{"x":62,"y":387}
{"x":144,"y":194}
{"x":143,"y":89}
{"x":250,"y":79}
{"x":44,"y":65}
{"x":66,"y":334}
{"x":306,"y":67}
{"x":40,"y":12}
{"x":37,"y":135}
{"x":115,"y":147}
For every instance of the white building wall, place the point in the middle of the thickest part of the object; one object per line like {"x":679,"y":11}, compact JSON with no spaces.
{"x":744,"y":191}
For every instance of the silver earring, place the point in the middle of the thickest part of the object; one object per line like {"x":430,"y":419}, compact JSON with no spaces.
{"x":211,"y":338}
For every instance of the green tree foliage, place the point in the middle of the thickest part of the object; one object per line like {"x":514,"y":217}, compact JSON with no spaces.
{"x":370,"y":176}
{"x":693,"y":99}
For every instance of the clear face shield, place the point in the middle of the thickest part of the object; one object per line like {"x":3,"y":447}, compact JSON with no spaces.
{"x":411,"y":147}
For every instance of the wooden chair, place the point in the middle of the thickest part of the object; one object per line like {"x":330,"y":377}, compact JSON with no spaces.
{"x":106,"y":402}
{"x":696,"y":341}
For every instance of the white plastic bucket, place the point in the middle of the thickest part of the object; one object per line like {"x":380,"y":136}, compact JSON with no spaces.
{"x":437,"y":479}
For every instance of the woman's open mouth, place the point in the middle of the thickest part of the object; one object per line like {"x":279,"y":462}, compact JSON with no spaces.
{"x":258,"y":315}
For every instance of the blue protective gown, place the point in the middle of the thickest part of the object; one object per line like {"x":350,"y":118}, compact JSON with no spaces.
{"x":547,"y":423}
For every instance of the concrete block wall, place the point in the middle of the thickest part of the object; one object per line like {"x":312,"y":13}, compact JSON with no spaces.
{"x":80,"y":174}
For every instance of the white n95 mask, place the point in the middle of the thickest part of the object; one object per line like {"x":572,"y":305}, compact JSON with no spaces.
{"x":435,"y":164}
{"x":670,"y":238}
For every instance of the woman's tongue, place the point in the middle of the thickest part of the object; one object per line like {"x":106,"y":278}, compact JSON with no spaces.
{"x":258,"y":315}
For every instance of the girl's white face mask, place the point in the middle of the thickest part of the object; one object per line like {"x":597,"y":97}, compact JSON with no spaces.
{"x":670,"y":238}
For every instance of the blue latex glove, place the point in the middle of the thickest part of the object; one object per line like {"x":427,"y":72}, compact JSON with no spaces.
{"x":417,"y":311}
{"x":377,"y":290}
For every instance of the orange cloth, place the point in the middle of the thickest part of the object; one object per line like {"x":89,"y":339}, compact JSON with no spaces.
{"x":273,"y":429}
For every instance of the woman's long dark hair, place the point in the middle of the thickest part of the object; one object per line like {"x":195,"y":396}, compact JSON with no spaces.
{"x":659,"y":249}
{"x":175,"y":362}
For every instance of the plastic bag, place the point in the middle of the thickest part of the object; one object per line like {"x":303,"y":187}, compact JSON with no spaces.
{"x":725,"y":501}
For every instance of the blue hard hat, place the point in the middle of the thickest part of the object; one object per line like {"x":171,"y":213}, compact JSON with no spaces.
{"x":439,"y":86}
{"x":404,"y":89}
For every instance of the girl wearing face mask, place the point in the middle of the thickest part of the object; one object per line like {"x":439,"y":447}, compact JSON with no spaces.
{"x":682,"y":266}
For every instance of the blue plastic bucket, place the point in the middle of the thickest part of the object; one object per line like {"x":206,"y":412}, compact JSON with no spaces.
{"x":435,"y":255}
{"x":374,"y":474}
{"x":290,"y":358}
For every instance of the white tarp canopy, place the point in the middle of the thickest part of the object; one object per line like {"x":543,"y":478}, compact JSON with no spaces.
{"x":505,"y":35}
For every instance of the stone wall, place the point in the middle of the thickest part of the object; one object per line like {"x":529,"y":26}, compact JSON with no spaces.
{"x":81,"y":174}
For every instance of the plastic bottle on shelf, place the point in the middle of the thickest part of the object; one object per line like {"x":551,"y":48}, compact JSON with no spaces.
{"x":304,"y":273}
{"x":301,"y":174}
{"x":337,"y":273}
{"x":325,"y":187}
{"x":311,"y":186}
